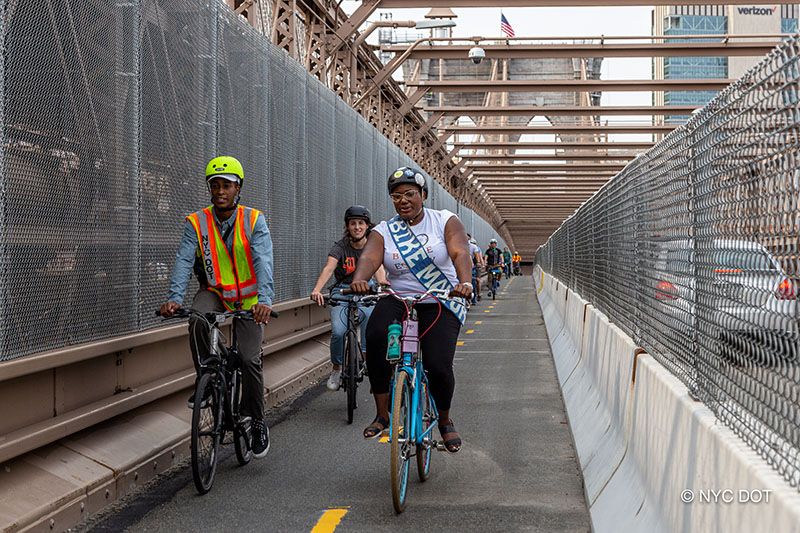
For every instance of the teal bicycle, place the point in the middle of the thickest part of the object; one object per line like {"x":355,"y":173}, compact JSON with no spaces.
{"x":414,"y":413}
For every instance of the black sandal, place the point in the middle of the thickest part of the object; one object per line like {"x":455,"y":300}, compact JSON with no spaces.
{"x":452,"y":444}
{"x":377,"y":427}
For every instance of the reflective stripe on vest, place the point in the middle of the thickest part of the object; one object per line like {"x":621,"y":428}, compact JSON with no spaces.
{"x":231,"y":276}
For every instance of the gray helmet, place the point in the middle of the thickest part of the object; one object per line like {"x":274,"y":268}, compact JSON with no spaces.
{"x":357,"y":211}
{"x":407,"y":176}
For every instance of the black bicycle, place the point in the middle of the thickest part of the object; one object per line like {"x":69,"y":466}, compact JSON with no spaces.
{"x":493,"y":279}
{"x":353,"y":364}
{"x":217,"y":400}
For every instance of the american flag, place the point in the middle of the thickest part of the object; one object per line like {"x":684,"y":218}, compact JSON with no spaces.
{"x":505,"y":26}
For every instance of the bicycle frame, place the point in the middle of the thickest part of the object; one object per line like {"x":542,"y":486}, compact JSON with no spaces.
{"x":412,"y":366}
{"x":353,"y":318}
{"x":494,"y":277}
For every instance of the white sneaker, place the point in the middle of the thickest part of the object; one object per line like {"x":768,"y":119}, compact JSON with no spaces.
{"x":335,"y":380}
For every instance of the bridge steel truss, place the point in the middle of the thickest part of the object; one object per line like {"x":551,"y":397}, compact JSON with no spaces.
{"x":319,"y":35}
{"x":331,"y":46}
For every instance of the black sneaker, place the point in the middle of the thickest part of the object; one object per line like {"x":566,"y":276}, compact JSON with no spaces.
{"x":260,"y":439}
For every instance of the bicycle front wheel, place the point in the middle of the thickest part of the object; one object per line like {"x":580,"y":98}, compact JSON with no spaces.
{"x":400,"y":448}
{"x":426,"y":416}
{"x":207,"y":431}
{"x":351,"y":383}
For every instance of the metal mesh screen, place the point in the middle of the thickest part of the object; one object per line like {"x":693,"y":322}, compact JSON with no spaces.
{"x":110,"y":113}
{"x":693,"y":250}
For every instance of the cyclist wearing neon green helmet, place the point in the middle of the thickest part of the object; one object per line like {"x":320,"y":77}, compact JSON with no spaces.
{"x":229,"y":249}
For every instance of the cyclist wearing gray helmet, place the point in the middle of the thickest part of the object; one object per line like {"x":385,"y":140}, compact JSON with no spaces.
{"x":341,"y":264}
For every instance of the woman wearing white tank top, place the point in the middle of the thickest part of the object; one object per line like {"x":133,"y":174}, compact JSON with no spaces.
{"x":444,"y":239}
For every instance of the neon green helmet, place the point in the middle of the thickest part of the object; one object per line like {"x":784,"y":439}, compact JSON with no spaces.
{"x":225,"y":166}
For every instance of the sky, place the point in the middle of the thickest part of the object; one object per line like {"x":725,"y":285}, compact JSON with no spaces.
{"x":556,"y":22}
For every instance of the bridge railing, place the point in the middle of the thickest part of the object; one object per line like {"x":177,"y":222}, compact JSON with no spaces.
{"x":693,"y":251}
{"x":110,"y":112}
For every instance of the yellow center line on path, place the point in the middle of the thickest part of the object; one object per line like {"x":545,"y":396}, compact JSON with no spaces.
{"x":486,"y":311}
{"x":329,"y":520}
{"x":478,"y":322}
{"x":460,"y":343}
{"x":470,"y":331}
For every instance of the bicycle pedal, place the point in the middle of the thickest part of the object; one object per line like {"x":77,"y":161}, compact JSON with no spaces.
{"x":439,"y":445}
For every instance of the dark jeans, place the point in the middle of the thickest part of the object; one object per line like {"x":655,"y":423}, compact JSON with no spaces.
{"x":438,"y":348}
{"x":248,"y":335}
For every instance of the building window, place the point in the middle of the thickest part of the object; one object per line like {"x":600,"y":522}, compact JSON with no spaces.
{"x":788,"y":25}
{"x":672,"y":22}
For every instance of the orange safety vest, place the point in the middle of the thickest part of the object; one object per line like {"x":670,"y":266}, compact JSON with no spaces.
{"x":233,"y":279}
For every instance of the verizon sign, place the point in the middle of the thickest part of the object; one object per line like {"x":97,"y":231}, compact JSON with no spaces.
{"x":757,"y":10}
{"x":755,"y":19}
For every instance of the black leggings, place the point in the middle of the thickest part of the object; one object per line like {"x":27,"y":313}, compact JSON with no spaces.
{"x":438,"y":348}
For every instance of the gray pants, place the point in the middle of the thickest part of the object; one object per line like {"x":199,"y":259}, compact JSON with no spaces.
{"x":248,"y":336}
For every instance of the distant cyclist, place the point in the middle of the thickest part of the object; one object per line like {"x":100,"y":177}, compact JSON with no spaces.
{"x":228,"y":246}
{"x":507,"y":261}
{"x":493,"y":257}
{"x":516,"y":261}
{"x":341,"y":264}
{"x":420,"y":249}
{"x":477,"y":262}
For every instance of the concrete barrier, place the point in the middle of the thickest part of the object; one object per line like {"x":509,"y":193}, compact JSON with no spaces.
{"x":566,"y":345}
{"x":544,"y":294}
{"x":597,"y":397}
{"x":644,"y":445}
{"x":553,"y":303}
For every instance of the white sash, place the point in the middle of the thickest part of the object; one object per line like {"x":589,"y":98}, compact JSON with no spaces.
{"x":421,"y":265}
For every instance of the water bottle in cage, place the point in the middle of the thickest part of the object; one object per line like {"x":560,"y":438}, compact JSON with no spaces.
{"x":393,"y":352}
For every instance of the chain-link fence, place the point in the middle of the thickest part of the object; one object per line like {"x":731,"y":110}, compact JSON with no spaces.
{"x":111,"y":110}
{"x":693,"y":250}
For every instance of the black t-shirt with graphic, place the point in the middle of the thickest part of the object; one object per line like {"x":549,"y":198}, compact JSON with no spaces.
{"x":494,"y":256}
{"x":346,"y":258}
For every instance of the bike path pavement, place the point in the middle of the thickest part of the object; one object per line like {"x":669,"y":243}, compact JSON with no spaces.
{"x":517,"y":470}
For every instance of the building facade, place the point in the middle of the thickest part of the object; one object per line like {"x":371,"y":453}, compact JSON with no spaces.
{"x":711,"y":20}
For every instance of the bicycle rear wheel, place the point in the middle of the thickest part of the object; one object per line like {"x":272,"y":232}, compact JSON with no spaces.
{"x":206,"y":432}
{"x":426,"y":416}
{"x":242,"y":426}
{"x":400,"y":448}
{"x":351,"y":383}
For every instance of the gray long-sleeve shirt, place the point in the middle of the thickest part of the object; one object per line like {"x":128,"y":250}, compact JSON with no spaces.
{"x":260,"y":246}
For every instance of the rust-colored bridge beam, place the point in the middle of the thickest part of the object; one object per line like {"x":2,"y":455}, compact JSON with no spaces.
{"x":552,"y":179}
{"x":556,"y":145}
{"x":560,"y":111}
{"x":397,"y":4}
{"x":548,"y":168}
{"x":567,"y":86}
{"x":570,"y":50}
{"x":514,"y":130}
{"x":547,"y":157}
{"x":423,"y":87}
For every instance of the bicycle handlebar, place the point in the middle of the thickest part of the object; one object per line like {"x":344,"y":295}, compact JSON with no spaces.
{"x":339,"y":299}
{"x":186,"y":313}
{"x":439,"y":293}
